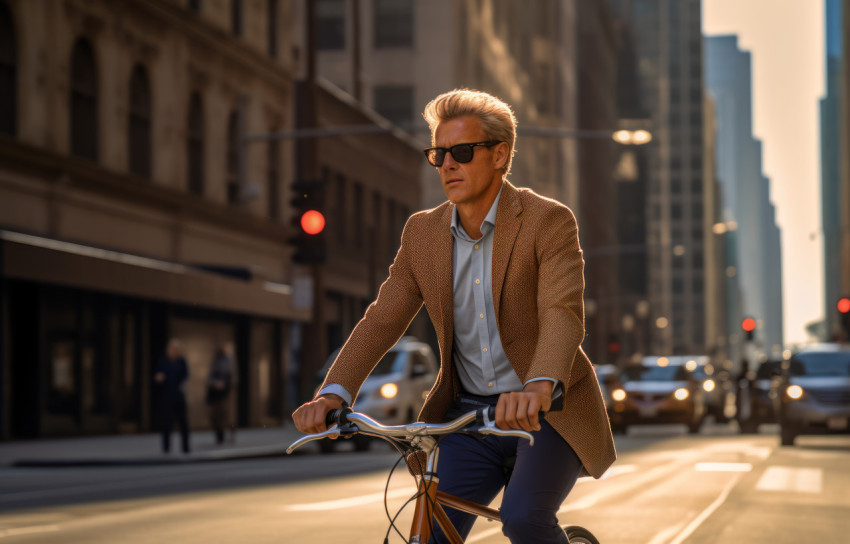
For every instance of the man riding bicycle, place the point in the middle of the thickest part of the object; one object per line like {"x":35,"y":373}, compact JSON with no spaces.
{"x":501,"y":273}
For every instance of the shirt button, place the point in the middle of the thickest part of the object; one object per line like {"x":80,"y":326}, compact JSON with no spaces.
{"x":481,"y":316}
{"x":490,"y":384}
{"x":476,"y":246}
{"x":477,"y":281}
{"x":485,"y":350}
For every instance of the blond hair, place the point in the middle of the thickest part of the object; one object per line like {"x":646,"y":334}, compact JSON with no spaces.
{"x":497,"y":118}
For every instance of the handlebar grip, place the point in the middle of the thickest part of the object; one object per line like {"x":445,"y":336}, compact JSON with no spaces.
{"x":491,"y":414}
{"x":337,"y":416}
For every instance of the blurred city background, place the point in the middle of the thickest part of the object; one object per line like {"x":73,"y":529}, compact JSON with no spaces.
{"x":157,"y":158}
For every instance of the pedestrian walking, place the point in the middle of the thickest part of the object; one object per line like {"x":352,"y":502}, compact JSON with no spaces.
{"x":170,"y":380}
{"x":219,"y":382}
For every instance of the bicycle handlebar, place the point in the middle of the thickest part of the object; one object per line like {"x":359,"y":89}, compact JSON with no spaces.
{"x":347,"y":422}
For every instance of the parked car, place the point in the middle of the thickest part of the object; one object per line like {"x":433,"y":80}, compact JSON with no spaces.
{"x":816,"y":396}
{"x":395,"y":390}
{"x":763,"y":396}
{"x":608,"y":377}
{"x":658,"y":391}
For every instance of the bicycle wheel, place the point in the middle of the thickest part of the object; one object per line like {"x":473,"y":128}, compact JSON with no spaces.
{"x":580,"y":535}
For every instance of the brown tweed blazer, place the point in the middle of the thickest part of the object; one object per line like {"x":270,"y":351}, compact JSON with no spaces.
{"x":538,"y":285}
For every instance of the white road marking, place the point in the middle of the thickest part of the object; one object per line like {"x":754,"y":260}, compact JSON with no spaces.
{"x":801,"y":480}
{"x":349,"y":502}
{"x":664,"y":536}
{"x":723,"y":467}
{"x":692,"y":526}
{"x":17,"y":531}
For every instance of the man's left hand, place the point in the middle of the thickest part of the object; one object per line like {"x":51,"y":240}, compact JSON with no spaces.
{"x":520,"y":410}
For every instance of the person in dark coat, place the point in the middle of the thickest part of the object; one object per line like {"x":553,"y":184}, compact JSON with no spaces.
{"x":219,"y":382}
{"x":170,"y":378}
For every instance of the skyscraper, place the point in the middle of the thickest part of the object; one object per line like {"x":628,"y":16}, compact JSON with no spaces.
{"x":669,"y":49}
{"x":754,"y":255}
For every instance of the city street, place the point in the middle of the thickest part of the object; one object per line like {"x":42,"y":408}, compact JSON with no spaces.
{"x":666,"y":487}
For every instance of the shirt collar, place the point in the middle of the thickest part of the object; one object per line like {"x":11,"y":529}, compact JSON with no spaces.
{"x":487,"y":225}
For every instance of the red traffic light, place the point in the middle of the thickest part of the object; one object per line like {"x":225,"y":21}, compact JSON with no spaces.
{"x":843,"y":305}
{"x":749,"y":324}
{"x":313,"y":222}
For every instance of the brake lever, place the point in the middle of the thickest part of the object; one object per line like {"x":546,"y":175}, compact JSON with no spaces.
{"x":345,"y":432}
{"x":489,"y":427}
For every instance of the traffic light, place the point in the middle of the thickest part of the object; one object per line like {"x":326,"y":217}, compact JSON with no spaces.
{"x":843,"y":307}
{"x":308,"y":221}
{"x":749,"y":326}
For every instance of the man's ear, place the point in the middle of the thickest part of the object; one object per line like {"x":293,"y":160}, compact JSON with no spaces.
{"x":500,"y":155}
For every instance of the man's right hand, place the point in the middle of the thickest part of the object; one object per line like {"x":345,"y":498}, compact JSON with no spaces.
{"x":310,"y":417}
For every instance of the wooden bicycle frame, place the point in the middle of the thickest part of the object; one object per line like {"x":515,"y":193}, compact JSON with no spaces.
{"x":429,"y":508}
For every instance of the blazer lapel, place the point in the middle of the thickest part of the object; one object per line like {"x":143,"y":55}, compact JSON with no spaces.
{"x":444,"y":274}
{"x":508,"y":221}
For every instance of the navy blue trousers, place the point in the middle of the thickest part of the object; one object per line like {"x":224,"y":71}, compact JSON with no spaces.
{"x":542,"y":477}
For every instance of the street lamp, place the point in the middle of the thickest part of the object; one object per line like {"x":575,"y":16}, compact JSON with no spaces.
{"x":632,"y":137}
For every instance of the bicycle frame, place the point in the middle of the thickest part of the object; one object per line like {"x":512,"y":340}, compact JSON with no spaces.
{"x":430,"y":502}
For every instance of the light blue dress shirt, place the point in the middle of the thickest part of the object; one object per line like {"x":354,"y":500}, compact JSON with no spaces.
{"x":482,"y":365}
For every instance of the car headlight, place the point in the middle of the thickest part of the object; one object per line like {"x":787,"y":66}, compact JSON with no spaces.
{"x":794,"y":392}
{"x":619,"y":395}
{"x":389,"y":390}
{"x":708,"y":385}
{"x":681,"y":393}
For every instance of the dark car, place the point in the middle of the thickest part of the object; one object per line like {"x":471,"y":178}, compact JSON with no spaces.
{"x":816,"y":395}
{"x":657,"y":391}
{"x":760,"y":399}
{"x":719,"y":391}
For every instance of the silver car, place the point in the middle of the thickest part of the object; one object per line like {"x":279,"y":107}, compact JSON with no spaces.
{"x":395,"y":390}
{"x":816,"y":392}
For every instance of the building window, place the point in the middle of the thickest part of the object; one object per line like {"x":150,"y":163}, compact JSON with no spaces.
{"x":273,"y":178}
{"x":359,"y":215}
{"x":236,"y":17}
{"x":393,"y":23}
{"x":139,"y":140}
{"x":84,"y":118}
{"x":8,"y":73}
{"x":195,"y":5}
{"x":330,"y":24}
{"x":195,"y":145}
{"x":341,"y":215}
{"x":272,"y":30}
{"x":233,"y":158}
{"x":395,"y":102}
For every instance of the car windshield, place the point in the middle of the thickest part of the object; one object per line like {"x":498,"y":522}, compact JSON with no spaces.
{"x":820,"y":365}
{"x":655,"y":374}
{"x":390,"y":363}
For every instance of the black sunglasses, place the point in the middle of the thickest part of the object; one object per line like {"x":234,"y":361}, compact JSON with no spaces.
{"x":462,"y":153}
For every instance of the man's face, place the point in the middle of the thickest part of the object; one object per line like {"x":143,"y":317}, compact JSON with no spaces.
{"x":467,"y":183}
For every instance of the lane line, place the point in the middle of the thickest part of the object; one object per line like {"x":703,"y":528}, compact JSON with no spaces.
{"x":692,"y":526}
{"x":723,"y":467}
{"x":35,"y":529}
{"x":801,"y":480}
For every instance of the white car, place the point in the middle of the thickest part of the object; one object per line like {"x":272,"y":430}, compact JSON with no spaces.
{"x":395,"y":391}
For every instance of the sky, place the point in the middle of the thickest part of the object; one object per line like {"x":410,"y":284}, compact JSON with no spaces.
{"x":786,"y":39}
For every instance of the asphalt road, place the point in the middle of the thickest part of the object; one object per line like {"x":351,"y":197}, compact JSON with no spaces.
{"x":667,"y":487}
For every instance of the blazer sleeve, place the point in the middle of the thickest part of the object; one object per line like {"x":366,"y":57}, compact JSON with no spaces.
{"x":560,"y":292}
{"x":385,"y":321}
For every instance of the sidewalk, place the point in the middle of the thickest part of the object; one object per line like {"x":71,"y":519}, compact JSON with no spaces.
{"x":144,"y":449}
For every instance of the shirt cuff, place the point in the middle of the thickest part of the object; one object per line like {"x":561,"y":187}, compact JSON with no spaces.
{"x":553,"y":380}
{"x":337,"y":389}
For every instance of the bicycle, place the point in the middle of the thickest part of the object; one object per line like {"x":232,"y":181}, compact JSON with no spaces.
{"x":417,"y":439}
